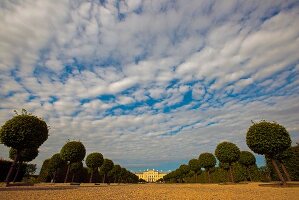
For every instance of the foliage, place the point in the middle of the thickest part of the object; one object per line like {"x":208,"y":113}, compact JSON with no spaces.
{"x":26,"y":155}
{"x":207,"y":160}
{"x":56,"y":162}
{"x":268,"y":138}
{"x":94,"y":160}
{"x":227,"y":152}
{"x":24,"y":131}
{"x":106,"y":166}
{"x":76,"y":166}
{"x":73,"y":152}
{"x":247,"y":158}
{"x":194,"y":165}
{"x":30,"y":169}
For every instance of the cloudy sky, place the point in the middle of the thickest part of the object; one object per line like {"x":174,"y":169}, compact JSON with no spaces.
{"x":150,"y":83}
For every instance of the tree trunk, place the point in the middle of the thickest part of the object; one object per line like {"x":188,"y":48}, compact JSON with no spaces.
{"x":231,"y":174}
{"x":104,"y":177}
{"x":67,"y":173}
{"x":249,"y":174}
{"x":195,"y":177}
{"x":285,"y":171}
{"x":12,"y":166}
{"x":278,"y":172}
{"x":17,"y":172}
{"x":228,"y":177}
{"x":91,"y":176}
{"x":54,"y":177}
{"x":73,"y":177}
{"x":209,"y":178}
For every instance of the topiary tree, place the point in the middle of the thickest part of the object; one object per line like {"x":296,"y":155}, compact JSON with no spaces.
{"x":94,"y":161}
{"x":72,"y":152}
{"x":207,"y":161}
{"x":26,"y":155}
{"x":55,"y":163}
{"x":227,"y":152}
{"x":106,"y":167}
{"x":22,"y":132}
{"x":75,"y":167}
{"x":195,"y":166}
{"x":269,"y":139}
{"x":247,"y":159}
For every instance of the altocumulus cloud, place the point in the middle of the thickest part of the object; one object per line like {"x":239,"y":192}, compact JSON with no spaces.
{"x":150,"y":83}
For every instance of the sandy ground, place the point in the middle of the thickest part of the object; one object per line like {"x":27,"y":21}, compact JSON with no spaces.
{"x":150,"y":191}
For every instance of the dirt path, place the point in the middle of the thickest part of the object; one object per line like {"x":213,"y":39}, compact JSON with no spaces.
{"x":153,"y":191}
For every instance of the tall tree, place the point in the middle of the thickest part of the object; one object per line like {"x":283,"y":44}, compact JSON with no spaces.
{"x":247,"y":159}
{"x":72,"y":152}
{"x":55,"y":163}
{"x":183,"y":171}
{"x":26,"y":155}
{"x":106,"y":167}
{"x":269,"y":139}
{"x":207,"y":161}
{"x":21,"y":132}
{"x":94,"y":161}
{"x":227,"y":152}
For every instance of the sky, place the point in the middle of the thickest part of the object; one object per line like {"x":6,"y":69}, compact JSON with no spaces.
{"x":150,"y":84}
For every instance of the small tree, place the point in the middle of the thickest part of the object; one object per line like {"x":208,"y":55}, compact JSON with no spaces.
{"x":72,"y":152}
{"x":247,"y":159}
{"x":195,"y":166}
{"x":21,"y":132}
{"x":26,"y":155}
{"x":227,"y":152}
{"x":207,"y":161}
{"x":75,"y":167}
{"x":269,"y":139}
{"x":106,"y":167}
{"x":94,"y":161}
{"x":55,"y":163}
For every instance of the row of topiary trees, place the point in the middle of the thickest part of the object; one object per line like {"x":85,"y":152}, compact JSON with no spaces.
{"x":25,"y":133}
{"x":266,"y":138}
{"x":71,"y":157}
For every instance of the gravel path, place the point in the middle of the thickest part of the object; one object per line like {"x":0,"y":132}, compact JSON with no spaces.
{"x":152,"y":191}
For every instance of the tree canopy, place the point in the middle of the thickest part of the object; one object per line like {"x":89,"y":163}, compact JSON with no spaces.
{"x":207,"y":160}
{"x":247,"y":158}
{"x":227,"y":152}
{"x":26,"y":155}
{"x":268,"y":138}
{"x":73,"y":151}
{"x":24,"y":131}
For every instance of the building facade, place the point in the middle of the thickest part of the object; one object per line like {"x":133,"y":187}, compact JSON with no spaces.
{"x":150,"y":175}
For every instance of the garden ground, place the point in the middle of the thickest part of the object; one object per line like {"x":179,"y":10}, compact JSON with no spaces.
{"x":149,"y":191}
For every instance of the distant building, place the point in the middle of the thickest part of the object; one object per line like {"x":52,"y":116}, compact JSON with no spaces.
{"x":150,"y":175}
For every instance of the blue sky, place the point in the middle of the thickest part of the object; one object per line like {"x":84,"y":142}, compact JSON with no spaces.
{"x":150,"y":84}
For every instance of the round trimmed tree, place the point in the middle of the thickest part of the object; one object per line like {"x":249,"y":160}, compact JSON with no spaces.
{"x":23,"y":131}
{"x":94,"y":161}
{"x":72,"y":152}
{"x":55,"y":163}
{"x":183,"y":171}
{"x":26,"y":155}
{"x":227,"y":152}
{"x":106,"y":167}
{"x":207,"y":161}
{"x":247,"y":159}
{"x":195,"y":166}
{"x":269,"y":139}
